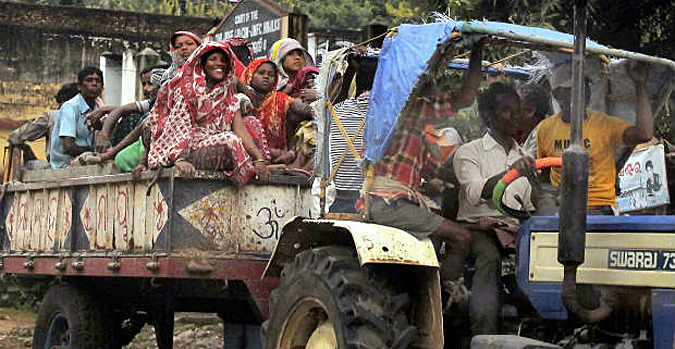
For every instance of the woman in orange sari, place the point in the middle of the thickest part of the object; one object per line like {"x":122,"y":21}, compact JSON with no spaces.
{"x":196,"y":123}
{"x":276,"y":110}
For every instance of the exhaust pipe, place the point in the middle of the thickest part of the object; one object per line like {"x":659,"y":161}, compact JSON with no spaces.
{"x":574,"y":185}
{"x":571,"y":300}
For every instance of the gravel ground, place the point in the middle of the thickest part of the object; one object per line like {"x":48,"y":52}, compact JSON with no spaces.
{"x":192,"y":331}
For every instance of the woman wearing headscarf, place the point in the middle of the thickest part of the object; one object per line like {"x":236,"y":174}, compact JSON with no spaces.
{"x":196,"y":123}
{"x":276,"y":109}
{"x":183,"y":44}
{"x":290,"y":57}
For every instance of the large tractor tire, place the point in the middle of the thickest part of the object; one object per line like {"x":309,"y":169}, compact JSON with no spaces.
{"x":327,"y":300}
{"x":71,"y":318}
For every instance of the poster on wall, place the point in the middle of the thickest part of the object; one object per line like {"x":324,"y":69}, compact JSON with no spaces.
{"x":642,"y":180}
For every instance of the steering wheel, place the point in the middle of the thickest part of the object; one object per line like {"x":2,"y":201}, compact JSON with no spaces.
{"x":508,"y":178}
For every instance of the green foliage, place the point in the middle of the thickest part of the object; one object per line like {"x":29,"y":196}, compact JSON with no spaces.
{"x":194,"y":8}
{"x":355,"y":14}
{"x":403,"y":12}
{"x":663,"y":122}
{"x":645,"y":26}
{"x":467,"y":122}
{"x":334,"y":14}
{"x":21,"y":292}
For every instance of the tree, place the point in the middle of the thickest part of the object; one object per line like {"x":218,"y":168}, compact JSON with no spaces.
{"x":355,"y":14}
{"x":196,"y":8}
{"x":643,"y":26}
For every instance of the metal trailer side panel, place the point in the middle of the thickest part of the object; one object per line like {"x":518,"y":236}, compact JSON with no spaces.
{"x":111,"y":217}
{"x":219,"y":217}
{"x":108,"y":216}
{"x":122,"y":215}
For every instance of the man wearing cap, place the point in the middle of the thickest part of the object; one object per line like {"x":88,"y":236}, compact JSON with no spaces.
{"x":602,"y":135}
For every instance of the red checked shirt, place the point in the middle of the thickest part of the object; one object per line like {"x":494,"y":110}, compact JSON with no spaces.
{"x":407,"y":158}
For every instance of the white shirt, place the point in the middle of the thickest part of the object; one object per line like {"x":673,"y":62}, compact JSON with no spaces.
{"x":477,"y":161}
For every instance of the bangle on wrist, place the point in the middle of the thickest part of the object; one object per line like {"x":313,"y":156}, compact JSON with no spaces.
{"x":103,"y":134}
{"x":259,"y":160}
{"x":178,"y":160}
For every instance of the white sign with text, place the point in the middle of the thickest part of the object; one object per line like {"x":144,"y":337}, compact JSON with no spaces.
{"x":642,"y":180}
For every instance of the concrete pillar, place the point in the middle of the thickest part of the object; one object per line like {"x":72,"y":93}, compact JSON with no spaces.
{"x":129,"y":77}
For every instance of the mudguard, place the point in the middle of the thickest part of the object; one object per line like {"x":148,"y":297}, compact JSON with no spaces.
{"x":373,"y":243}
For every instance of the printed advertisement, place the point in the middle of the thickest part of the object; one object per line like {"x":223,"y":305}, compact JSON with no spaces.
{"x":642,"y":180}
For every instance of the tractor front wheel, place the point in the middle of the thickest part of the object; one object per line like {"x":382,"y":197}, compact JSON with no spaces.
{"x":327,"y":300}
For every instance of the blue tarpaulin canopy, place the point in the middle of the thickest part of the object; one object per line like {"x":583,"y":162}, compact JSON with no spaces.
{"x":406,"y":55}
{"x":402,"y":61}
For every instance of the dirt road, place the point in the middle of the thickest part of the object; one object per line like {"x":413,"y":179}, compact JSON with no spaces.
{"x":192,"y":331}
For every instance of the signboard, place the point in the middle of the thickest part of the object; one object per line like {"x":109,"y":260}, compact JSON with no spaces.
{"x":254,"y":20}
{"x":642,"y":180}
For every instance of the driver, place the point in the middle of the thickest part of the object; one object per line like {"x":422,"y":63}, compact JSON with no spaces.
{"x":479,"y":165}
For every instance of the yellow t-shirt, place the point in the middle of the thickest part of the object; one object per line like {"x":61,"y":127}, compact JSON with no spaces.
{"x":602,"y":135}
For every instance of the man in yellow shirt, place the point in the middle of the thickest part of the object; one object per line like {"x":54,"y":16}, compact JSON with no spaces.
{"x":602,"y":134}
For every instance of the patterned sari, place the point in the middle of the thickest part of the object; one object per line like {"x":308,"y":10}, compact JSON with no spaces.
{"x":272,"y":111}
{"x":192,"y":122}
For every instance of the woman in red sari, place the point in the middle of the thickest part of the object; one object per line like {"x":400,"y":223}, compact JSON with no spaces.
{"x":196,"y":123}
{"x":276,"y":110}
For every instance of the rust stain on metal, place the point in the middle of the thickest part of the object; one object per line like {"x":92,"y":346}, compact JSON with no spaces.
{"x":247,"y":219}
{"x":382,"y":244}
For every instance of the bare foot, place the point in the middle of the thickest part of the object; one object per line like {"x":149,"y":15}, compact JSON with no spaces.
{"x":136,"y":173}
{"x":186,"y":169}
{"x":299,"y":161}
{"x":103,"y":157}
{"x":285,"y":158}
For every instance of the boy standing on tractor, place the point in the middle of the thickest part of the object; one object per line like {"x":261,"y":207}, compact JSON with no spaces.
{"x":603,"y":134}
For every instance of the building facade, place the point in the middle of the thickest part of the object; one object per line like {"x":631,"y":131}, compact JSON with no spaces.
{"x":43,"y":47}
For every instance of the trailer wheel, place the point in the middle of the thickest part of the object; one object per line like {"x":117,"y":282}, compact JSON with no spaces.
{"x":71,"y":318}
{"x":327,"y":300}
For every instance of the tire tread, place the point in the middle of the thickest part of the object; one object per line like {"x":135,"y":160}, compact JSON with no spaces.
{"x":372,"y":312}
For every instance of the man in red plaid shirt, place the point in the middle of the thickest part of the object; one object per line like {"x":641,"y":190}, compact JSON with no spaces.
{"x":394,"y":198}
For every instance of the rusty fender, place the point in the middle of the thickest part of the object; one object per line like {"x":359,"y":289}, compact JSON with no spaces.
{"x":373,"y":243}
